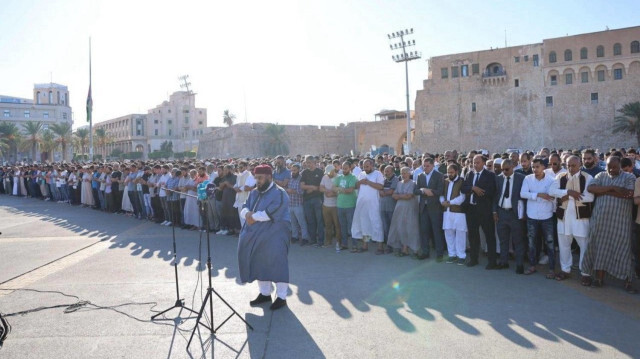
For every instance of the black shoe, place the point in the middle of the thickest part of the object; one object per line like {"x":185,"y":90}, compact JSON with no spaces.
{"x":279,"y":303}
{"x":451,"y":260}
{"x":471,"y":262}
{"x":520,"y":269}
{"x":439,"y":259}
{"x":260,"y":299}
{"x":491,"y":266}
{"x":421,"y":256}
{"x":503,"y":266}
{"x":294,"y":240}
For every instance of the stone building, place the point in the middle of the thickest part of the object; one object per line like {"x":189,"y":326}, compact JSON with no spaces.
{"x":562,"y":93}
{"x":177,"y":120}
{"x":249,"y":139}
{"x":50,"y":104}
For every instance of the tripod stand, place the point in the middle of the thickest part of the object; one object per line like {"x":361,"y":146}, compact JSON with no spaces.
{"x":179,"y":301}
{"x":208,"y":299}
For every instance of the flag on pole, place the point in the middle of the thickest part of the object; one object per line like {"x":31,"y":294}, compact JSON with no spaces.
{"x":89,"y":105}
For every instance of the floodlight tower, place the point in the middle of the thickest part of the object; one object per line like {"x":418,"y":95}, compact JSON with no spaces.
{"x":399,"y":44}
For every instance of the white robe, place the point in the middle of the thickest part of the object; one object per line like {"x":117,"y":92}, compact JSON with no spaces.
{"x":366,"y":218}
{"x":452,"y":220}
{"x":571,"y":225}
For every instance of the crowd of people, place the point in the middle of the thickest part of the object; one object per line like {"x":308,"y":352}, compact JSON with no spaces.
{"x":532,"y":208}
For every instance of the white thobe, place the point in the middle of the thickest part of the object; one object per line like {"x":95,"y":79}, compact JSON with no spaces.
{"x":570,"y":225}
{"x":366,"y":218}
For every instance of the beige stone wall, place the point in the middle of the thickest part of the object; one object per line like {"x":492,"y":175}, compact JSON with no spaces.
{"x":246,"y":140}
{"x":507,"y":116}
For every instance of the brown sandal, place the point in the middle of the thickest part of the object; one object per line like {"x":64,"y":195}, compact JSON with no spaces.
{"x":586,"y":280}
{"x":550,"y":275}
{"x":562,"y":276}
{"x":530,"y":270}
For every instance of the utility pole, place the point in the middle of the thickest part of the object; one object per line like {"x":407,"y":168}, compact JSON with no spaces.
{"x":403,"y":56}
{"x":186,"y":85}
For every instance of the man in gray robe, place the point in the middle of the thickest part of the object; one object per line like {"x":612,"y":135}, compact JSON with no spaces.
{"x":609,"y":248}
{"x":264,"y":240}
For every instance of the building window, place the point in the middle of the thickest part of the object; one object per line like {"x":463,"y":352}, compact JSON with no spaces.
{"x":155,"y":121}
{"x":568,"y":79}
{"x":138,"y":133}
{"x":475,"y":69}
{"x":169,"y":122}
{"x":45,"y":115}
{"x":584,"y":77}
{"x":64,"y":115}
{"x":454,"y":71}
{"x":199,"y":122}
{"x":617,"y":74}
{"x":568,"y":55}
{"x":169,"y":132}
{"x":155,"y":132}
{"x":27,"y":114}
{"x":594,"y":98}
{"x":583,"y":53}
{"x":200,"y":112}
{"x":617,"y":49}
{"x":554,"y":80}
{"x":465,"y":70}
{"x":635,"y":47}
{"x":169,"y":111}
{"x":473,"y":107}
{"x":186,"y":119}
{"x":517,"y":83}
{"x":516,"y":59}
{"x":552,"y":57}
{"x":549,"y":101}
{"x":526,"y":58}
{"x":535,"y":61}
{"x":7,"y":113}
{"x":600,"y":75}
{"x":444,"y":72}
{"x":600,"y":51}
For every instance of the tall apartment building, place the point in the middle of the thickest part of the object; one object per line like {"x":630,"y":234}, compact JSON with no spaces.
{"x":50,"y":104}
{"x":563,"y":93}
{"x":177,"y":120}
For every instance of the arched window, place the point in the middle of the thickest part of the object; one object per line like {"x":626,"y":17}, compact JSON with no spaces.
{"x":635,"y":47}
{"x":600,"y":51}
{"x":552,"y":57}
{"x":568,"y":56}
{"x":584,"y":53}
{"x":50,"y":97}
{"x":38,"y":98}
{"x":617,"y":49}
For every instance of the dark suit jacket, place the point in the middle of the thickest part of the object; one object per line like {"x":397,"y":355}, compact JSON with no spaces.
{"x":517,"y":179}
{"x":487,"y":182}
{"x":436,"y":184}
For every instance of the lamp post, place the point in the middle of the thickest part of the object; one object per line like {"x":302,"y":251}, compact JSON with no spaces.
{"x":399,"y":45}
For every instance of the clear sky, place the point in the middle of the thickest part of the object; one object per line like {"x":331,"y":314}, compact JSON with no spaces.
{"x":292,"y":62}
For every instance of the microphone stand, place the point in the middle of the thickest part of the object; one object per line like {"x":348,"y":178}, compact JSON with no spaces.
{"x":179,"y":301}
{"x":208,"y":299}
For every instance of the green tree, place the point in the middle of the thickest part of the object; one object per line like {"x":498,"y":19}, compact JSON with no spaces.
{"x":629,"y":121}
{"x":102,"y":140}
{"x":10,"y":134}
{"x":80,"y":141}
{"x":33,"y":131}
{"x":48,"y":144}
{"x":167,"y":147}
{"x":228,"y":118}
{"x":276,"y":140}
{"x":63,"y":131}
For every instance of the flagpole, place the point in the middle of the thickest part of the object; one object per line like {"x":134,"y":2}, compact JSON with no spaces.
{"x":91,"y":110}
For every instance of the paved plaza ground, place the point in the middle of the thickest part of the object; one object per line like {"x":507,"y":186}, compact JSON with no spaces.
{"x":340,"y":305}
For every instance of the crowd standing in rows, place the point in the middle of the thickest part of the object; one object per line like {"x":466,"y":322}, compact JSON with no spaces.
{"x":527,"y":207}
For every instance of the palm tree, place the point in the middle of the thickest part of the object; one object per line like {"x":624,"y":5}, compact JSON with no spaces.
{"x":102,"y":139}
{"x":4,"y":147}
{"x":10,"y":134}
{"x":63,"y":131}
{"x":48,"y":144}
{"x":32,"y":132}
{"x":629,"y":121}
{"x":228,"y":118}
{"x":276,"y":142}
{"x":81,"y":140}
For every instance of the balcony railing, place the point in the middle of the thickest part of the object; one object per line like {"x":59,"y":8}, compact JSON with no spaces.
{"x":495,"y":73}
